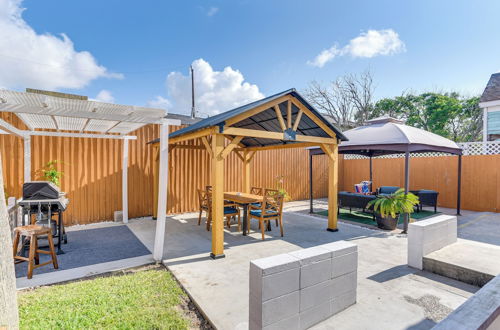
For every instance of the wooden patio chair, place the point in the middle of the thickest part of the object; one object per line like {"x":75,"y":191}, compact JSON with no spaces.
{"x":231,"y":210}
{"x":256,"y":190}
{"x":271,"y":208}
{"x":204,"y":202}
{"x":271,"y":192}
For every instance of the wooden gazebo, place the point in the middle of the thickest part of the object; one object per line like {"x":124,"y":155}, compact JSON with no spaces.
{"x":284,"y":120}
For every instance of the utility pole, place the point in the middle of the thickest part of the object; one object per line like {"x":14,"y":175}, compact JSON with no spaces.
{"x":193,"y":110}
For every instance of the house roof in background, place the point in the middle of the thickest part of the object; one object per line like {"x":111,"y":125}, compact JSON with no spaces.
{"x":492,"y":90}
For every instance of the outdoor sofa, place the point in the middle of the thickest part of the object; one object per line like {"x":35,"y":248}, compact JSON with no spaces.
{"x":349,"y":200}
{"x":425,"y":196}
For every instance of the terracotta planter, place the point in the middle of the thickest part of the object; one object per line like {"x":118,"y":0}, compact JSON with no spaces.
{"x":388,"y":222}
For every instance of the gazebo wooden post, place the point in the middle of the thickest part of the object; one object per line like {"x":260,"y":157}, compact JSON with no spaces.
{"x":217,"y":196}
{"x":332,"y":151}
{"x":246,"y":171}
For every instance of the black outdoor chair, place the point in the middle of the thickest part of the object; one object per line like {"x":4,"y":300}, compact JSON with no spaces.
{"x":427,"y":198}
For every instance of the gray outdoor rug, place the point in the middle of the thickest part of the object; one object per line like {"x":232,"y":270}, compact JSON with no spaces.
{"x":90,"y":247}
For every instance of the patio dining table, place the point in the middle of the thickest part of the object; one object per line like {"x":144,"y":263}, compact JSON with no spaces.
{"x":244,"y":200}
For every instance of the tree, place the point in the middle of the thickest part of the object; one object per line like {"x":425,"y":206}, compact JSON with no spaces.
{"x":346,"y":100}
{"x":9,"y":317}
{"x":446,"y":114}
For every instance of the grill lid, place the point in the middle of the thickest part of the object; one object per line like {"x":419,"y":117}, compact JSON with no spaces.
{"x":39,"y":190}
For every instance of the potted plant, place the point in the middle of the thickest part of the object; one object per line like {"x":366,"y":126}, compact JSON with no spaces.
{"x":387,"y":208}
{"x":51,"y":173}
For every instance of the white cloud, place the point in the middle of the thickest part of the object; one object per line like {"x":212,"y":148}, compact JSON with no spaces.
{"x":29,"y":59}
{"x":212,"y":11}
{"x":215,"y":91}
{"x":159,"y":102}
{"x":325,"y":56}
{"x":105,"y":96}
{"x":367,"y":44}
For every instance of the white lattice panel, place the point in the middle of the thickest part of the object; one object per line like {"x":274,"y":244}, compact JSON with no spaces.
{"x":468,"y":149}
{"x":480,"y":148}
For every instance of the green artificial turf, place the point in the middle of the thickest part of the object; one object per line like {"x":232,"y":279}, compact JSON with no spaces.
{"x":147,"y":299}
{"x":367,"y":218}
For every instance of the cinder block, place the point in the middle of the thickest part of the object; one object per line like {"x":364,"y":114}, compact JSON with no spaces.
{"x":315,"y":273}
{"x":343,"y":284}
{"x":344,"y":264}
{"x":275,"y":264}
{"x":291,"y":323}
{"x":311,"y":255}
{"x":315,"y":315}
{"x":118,"y":216}
{"x":340,"y":248}
{"x":415,"y":258}
{"x":274,"y":310}
{"x":279,"y":284}
{"x":342,"y":302}
{"x":315,"y":295}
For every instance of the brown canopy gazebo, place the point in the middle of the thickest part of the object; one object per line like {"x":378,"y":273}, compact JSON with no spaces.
{"x":386,"y":136}
{"x":283,"y":120}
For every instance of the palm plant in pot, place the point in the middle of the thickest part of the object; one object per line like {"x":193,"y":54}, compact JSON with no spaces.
{"x":387,"y":208}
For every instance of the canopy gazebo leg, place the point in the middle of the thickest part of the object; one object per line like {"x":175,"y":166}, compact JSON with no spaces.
{"x":459,"y":183}
{"x":217,"y":197}
{"x":311,"y":183}
{"x":407,"y":189}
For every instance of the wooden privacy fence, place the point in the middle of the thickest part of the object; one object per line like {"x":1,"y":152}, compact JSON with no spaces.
{"x":92,"y":174}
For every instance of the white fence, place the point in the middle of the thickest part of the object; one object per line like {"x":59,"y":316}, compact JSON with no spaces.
{"x":468,"y":149}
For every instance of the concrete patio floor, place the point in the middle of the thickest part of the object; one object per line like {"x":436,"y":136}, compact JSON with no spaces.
{"x":390,"y":294}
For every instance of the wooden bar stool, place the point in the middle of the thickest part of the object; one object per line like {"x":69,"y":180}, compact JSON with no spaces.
{"x":33,"y":231}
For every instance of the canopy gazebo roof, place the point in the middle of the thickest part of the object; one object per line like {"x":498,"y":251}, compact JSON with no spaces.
{"x":386,"y":135}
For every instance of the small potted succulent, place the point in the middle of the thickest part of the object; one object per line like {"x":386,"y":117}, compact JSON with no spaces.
{"x":387,"y":208}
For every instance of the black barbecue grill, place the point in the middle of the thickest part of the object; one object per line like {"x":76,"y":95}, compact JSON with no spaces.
{"x":44,"y":200}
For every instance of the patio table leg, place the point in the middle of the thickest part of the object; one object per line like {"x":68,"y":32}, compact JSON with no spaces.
{"x":245,"y":219}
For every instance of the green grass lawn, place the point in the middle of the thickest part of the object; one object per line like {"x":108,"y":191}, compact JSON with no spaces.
{"x":147,"y":299}
{"x":367,"y":218}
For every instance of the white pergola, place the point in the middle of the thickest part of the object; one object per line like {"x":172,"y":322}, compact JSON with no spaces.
{"x":63,"y":115}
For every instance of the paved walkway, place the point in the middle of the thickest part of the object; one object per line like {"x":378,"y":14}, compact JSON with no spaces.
{"x":390,"y":294}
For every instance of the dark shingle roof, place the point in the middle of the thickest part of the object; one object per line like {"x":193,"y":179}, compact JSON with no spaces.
{"x":492,"y":90}
{"x":264,"y":120}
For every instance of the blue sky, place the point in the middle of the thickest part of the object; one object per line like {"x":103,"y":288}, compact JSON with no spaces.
{"x":446,"y":45}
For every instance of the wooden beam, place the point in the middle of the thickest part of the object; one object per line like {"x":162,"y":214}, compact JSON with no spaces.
{"x":275,"y":135}
{"x":194,"y":135}
{"x":326,"y":149}
{"x":125,"y":182}
{"x":313,"y":117}
{"x":246,"y":171}
{"x":251,"y":155}
{"x":239,"y":155}
{"x":231,"y":138}
{"x":289,"y":114}
{"x":256,"y":110}
{"x":280,"y":117}
{"x":217,"y":197}
{"x":204,"y":139}
{"x":297,"y":120}
{"x":281,"y":146}
{"x":231,"y":146}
